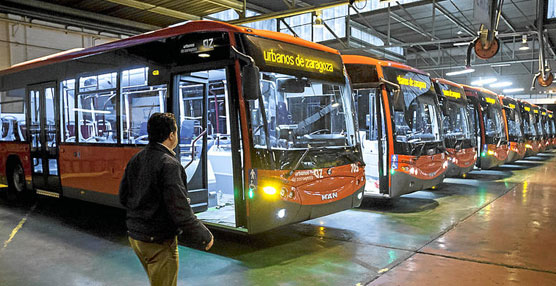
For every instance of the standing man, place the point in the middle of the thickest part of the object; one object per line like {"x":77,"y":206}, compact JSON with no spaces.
{"x":154,"y":193}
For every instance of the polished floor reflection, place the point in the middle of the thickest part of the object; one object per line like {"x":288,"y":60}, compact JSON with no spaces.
{"x":495,"y":227}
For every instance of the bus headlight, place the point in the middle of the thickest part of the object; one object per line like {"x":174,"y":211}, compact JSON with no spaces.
{"x":281,"y":213}
{"x":269,"y":190}
{"x":360,"y":195}
{"x":490,"y":152}
{"x":445,"y":165}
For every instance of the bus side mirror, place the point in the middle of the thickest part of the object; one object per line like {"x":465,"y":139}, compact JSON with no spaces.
{"x":251,"y":82}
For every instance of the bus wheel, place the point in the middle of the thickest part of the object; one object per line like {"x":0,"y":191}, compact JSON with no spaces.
{"x":17,"y":188}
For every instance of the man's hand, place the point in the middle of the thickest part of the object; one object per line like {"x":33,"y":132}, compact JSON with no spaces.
{"x":209,"y":245}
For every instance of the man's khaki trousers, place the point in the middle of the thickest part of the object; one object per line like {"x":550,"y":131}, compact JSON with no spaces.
{"x":160,"y":260}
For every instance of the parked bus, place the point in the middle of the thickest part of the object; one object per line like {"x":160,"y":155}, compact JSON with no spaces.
{"x":529,"y":129}
{"x":461,"y":144}
{"x":552,"y":127}
{"x":492,"y":132}
{"x":545,"y":127}
{"x":514,"y":122}
{"x":266,"y":122}
{"x":540,"y":128}
{"x":399,"y":121}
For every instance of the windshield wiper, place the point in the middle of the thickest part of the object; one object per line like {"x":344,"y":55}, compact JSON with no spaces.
{"x":315,"y":117}
{"x":265,"y":128}
{"x":309,"y":148}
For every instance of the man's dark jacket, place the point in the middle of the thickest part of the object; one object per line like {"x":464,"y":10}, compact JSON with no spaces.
{"x":154,"y":192}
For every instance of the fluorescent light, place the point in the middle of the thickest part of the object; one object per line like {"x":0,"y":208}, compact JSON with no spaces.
{"x":501,"y":84}
{"x":204,"y":55}
{"x":461,"y":44}
{"x":460,"y":72}
{"x":500,"y":65}
{"x":92,"y":111}
{"x":524,"y":46}
{"x":481,"y":82}
{"x":510,"y":90}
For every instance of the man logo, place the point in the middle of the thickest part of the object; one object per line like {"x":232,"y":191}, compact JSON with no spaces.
{"x":329,"y":196}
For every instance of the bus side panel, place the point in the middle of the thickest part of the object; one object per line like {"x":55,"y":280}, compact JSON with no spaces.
{"x":19,"y":149}
{"x":93,"y":168}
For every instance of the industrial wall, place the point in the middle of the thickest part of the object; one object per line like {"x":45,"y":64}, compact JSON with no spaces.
{"x":22,"y":39}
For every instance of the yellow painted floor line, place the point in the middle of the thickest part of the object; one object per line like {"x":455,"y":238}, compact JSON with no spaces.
{"x":19,"y":226}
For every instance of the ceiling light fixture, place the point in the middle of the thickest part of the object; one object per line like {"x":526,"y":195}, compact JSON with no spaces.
{"x":512,"y":90}
{"x":461,"y":44}
{"x":204,"y":55}
{"x":499,"y":65}
{"x":464,"y":71}
{"x":501,"y":84}
{"x":524,"y":46}
{"x":318,"y":23}
{"x":483,"y":81}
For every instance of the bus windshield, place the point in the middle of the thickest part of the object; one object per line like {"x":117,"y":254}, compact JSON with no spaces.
{"x":529,"y":125}
{"x":492,"y":118}
{"x":455,"y":123}
{"x":416,"y":117}
{"x":514,"y":124}
{"x":301,"y":113}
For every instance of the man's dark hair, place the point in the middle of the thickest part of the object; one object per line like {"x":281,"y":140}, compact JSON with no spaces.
{"x":160,"y":126}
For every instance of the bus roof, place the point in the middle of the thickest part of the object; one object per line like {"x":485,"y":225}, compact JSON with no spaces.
{"x":171,"y":31}
{"x":355,"y":59}
{"x":481,"y":89}
{"x":445,"y":81}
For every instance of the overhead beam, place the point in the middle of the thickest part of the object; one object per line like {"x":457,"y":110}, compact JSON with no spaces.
{"x":446,"y":67}
{"x":454,"y":20}
{"x":290,"y":12}
{"x":156,"y":9}
{"x":53,"y":12}
{"x":231,"y":4}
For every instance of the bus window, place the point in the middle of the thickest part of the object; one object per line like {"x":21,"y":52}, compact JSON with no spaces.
{"x":492,"y":118}
{"x":67,"y":101}
{"x":139,"y":101}
{"x":12,"y":115}
{"x":302,"y":112}
{"x":96,"y":109}
{"x":455,"y":122}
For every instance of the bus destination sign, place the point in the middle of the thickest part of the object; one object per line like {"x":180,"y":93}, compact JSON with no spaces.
{"x":276,"y":56}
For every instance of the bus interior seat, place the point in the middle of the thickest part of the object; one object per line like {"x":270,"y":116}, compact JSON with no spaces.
{"x":87,"y":130}
{"x":9,"y":126}
{"x":283,"y":115}
{"x":22,"y":129}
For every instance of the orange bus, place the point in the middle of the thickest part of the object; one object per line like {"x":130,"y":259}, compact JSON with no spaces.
{"x":552,"y":128}
{"x":540,"y":128}
{"x":459,"y":135}
{"x":399,"y":121}
{"x":543,"y":117}
{"x":492,"y":132}
{"x":530,"y":129}
{"x":266,"y":124}
{"x":514,"y":122}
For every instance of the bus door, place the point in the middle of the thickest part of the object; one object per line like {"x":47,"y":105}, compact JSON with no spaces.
{"x":205,"y":145}
{"x":43,"y":125}
{"x":373,"y":137}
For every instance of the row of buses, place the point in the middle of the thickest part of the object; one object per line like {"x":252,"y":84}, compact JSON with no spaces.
{"x":272,"y":129}
{"x":416,"y":130}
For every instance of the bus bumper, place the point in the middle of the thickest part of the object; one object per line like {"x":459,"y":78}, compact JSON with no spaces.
{"x":403,"y":183}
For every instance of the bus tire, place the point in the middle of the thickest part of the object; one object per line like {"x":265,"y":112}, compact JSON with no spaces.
{"x":17,"y":187}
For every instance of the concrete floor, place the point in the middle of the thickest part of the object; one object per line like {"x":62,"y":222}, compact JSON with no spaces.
{"x":493,"y":228}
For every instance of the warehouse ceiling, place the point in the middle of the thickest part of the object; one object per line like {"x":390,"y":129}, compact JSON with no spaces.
{"x":426,"y":30}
